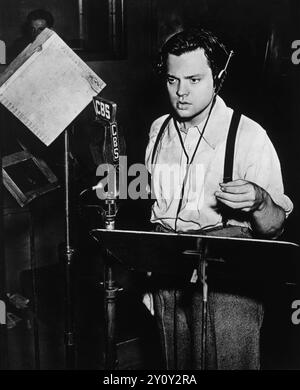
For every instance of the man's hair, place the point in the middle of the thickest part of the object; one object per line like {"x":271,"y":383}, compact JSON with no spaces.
{"x":41,"y":14}
{"x":190,"y":40}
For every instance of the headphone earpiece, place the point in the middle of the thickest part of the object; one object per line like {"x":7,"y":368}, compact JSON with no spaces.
{"x":222,"y":74}
{"x":219,"y":77}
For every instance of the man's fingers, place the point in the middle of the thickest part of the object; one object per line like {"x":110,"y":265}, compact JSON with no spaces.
{"x":236,"y":189}
{"x":234,"y":183}
{"x":240,"y":194}
{"x":233,"y":197}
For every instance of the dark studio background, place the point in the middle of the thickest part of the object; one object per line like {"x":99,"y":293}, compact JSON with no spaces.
{"x":262,"y":82}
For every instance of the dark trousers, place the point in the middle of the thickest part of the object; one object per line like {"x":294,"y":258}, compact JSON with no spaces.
{"x":233,"y":329}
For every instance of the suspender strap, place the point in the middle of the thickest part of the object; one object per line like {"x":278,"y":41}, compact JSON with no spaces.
{"x":229,"y":155}
{"x":159,"y":135}
{"x":229,"y":151}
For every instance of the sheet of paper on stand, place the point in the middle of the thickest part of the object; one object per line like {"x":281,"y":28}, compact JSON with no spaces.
{"x":47,"y":86}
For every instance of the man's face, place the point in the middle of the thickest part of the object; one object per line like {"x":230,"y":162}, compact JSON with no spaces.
{"x":37,"y":26}
{"x":190,"y":85}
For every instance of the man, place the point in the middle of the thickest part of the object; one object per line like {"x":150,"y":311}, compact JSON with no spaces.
{"x":193,"y":140}
{"x":36,"y":21}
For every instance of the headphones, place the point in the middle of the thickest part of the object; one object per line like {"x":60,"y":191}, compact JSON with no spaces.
{"x":223,"y":73}
{"x":198,"y":38}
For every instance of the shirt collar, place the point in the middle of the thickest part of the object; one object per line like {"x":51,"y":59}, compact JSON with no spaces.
{"x":216,"y":128}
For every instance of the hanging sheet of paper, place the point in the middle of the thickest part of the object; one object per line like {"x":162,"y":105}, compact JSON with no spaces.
{"x":47,"y":86}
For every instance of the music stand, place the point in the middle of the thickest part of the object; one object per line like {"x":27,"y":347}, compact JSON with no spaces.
{"x":46,"y":87}
{"x":171,"y":253}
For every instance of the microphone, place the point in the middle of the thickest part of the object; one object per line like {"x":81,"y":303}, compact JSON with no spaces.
{"x":113,"y":147}
{"x":106,"y":115}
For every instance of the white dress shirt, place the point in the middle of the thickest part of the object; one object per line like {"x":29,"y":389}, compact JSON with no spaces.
{"x":255,"y":160}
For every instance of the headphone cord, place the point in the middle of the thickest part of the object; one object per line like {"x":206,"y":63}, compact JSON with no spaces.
{"x":193,"y":156}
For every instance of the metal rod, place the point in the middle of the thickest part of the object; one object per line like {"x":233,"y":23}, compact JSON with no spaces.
{"x":33,"y":266}
{"x":110,"y":294}
{"x":3,"y":328}
{"x":69,"y":331}
{"x":80,"y":14}
{"x":67,"y":191}
{"x":69,"y":252}
{"x":204,"y":313}
{"x":110,"y":319}
{"x":202,"y":247}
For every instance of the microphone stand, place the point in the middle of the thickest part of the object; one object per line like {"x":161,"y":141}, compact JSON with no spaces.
{"x":106,"y":114}
{"x":3,"y":328}
{"x":68,"y":260}
{"x":202,"y":271}
{"x":110,"y":294}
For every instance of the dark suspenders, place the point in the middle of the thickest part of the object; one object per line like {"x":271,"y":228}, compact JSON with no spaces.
{"x":229,"y":156}
{"x":229,"y":151}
